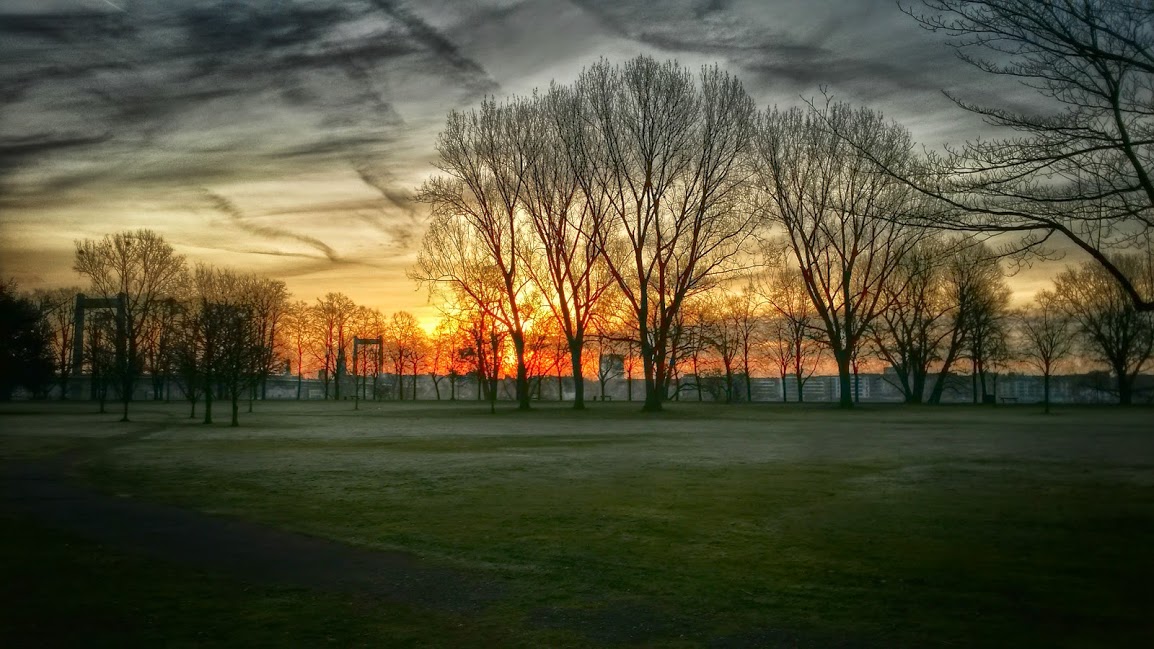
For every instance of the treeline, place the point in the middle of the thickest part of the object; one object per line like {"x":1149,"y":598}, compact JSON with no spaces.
{"x":203,"y":334}
{"x":635,"y":203}
{"x":211,"y":333}
{"x":655,"y":215}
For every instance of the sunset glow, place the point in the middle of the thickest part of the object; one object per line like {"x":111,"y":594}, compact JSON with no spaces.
{"x":319,"y":134}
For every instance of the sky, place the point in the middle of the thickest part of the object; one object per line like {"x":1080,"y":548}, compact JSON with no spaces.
{"x":288,"y":137}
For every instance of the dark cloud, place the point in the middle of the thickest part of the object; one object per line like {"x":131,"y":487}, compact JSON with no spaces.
{"x":65,"y":27}
{"x":143,"y":107}
{"x":471,"y":71}
{"x":170,"y":82}
{"x":12,"y":149}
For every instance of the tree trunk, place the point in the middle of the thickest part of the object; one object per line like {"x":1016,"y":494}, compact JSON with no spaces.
{"x":845,"y":381}
{"x":207,"y":403}
{"x":1125,"y":387}
{"x":1046,"y":392}
{"x":653,"y":397}
{"x":235,"y":409}
{"x":522,"y":384}
{"x":918,"y":387}
{"x":728,"y":384}
{"x":578,"y":377}
{"x":748,"y":381}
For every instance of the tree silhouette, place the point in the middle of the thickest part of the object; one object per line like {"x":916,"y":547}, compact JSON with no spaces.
{"x":1084,"y":169}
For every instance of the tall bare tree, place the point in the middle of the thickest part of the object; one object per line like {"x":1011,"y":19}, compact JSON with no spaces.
{"x":299,"y":334}
{"x":668,"y":152}
{"x":334,"y":314}
{"x":972,"y":273}
{"x":987,"y":327}
{"x":1045,"y":337}
{"x":1078,"y":165}
{"x":793,"y":326}
{"x":1113,"y":330}
{"x":405,"y":347}
{"x":477,"y":197}
{"x":189,"y":346}
{"x":722,"y":319}
{"x":843,"y":221}
{"x":911,"y":334}
{"x":141,"y":265}
{"x":269,"y":302}
{"x":564,"y":256}
{"x":58,"y":310}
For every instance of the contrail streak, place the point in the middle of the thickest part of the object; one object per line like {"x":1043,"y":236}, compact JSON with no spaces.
{"x":237,"y":217}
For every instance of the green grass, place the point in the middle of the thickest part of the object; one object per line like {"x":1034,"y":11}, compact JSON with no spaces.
{"x":885,"y":527}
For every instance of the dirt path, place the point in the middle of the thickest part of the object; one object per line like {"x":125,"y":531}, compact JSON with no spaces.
{"x":44,"y":490}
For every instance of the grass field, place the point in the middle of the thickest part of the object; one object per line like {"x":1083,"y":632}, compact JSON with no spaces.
{"x":702,"y":526}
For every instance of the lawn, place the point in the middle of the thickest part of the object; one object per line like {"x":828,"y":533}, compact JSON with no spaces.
{"x":702,"y":526}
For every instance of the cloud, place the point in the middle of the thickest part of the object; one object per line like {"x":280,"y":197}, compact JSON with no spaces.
{"x":237,"y":83}
{"x":110,"y":118}
{"x":237,"y":218}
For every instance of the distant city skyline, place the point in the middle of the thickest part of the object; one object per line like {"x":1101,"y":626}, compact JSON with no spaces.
{"x":287,"y":137}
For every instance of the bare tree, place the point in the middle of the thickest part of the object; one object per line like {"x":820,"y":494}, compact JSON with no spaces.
{"x":157,"y":345}
{"x":688,"y":343}
{"x":911,"y":334}
{"x":972,"y":274}
{"x":1084,"y":169}
{"x":367,"y":362}
{"x":1114,"y":331}
{"x":987,"y":325}
{"x":475,"y":204}
{"x":230,"y":350}
{"x":721,"y":330}
{"x":564,"y":257}
{"x":668,"y":153}
{"x":100,"y":353}
{"x":143,"y":267}
{"x":58,"y":310}
{"x":843,"y":221}
{"x":1045,"y":337}
{"x":298,"y":331}
{"x":792,"y":327}
{"x":334,"y":315}
{"x":402,"y":337}
{"x":269,"y":302}
{"x":189,"y":349}
{"x":745,"y":310}
{"x":443,"y":359}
